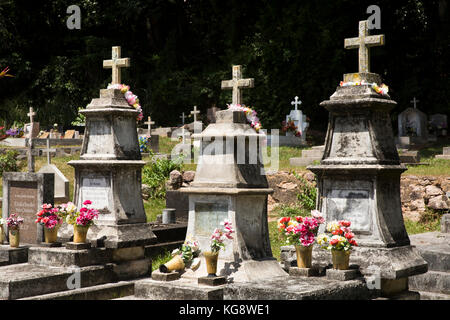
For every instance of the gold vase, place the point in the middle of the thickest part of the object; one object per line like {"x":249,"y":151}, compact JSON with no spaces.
{"x":14,"y":238}
{"x":341,"y":259}
{"x":176,"y":263}
{"x":304,"y":256}
{"x":2,"y":234}
{"x":80,"y":233}
{"x":211,"y":262}
{"x":51,"y":235}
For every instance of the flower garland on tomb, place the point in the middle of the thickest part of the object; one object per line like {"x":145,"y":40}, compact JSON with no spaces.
{"x":383,"y":89}
{"x":131,"y":98}
{"x":251,"y":115}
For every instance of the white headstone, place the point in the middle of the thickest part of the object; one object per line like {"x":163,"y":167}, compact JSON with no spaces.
{"x":299,"y":119}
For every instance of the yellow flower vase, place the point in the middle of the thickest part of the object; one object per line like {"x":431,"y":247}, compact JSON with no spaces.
{"x":14,"y":238}
{"x":341,"y":259}
{"x":304,"y":256}
{"x":176,"y":263}
{"x":51,"y":235}
{"x":211,"y":262}
{"x":80,"y":233}
{"x":2,"y":234}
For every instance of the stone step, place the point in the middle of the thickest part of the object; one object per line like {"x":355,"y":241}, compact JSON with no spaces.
{"x":109,"y":291}
{"x":156,"y":249}
{"x":10,"y":255}
{"x":437,"y":259}
{"x":303,"y":162}
{"x":424,"y":295}
{"x":432,"y":281}
{"x":27,"y":280}
{"x":312,"y":153}
{"x":443,"y":156}
{"x":169,"y":232}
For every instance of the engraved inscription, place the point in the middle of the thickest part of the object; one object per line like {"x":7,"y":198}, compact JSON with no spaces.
{"x":208,"y":216}
{"x":23,"y":201}
{"x":352,"y":205}
{"x":96,"y":189}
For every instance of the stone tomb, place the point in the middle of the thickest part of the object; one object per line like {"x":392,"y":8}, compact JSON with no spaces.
{"x":412,"y":127}
{"x":359,"y":180}
{"x":439,"y":123}
{"x":23,"y":194}
{"x":445,"y":154}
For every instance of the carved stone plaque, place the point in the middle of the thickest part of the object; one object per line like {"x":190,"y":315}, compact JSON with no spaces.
{"x":96,"y":189}
{"x":208,"y":216}
{"x":352,"y":205}
{"x":23,"y":201}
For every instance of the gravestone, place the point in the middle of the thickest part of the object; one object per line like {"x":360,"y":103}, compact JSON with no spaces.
{"x":439,"y":122}
{"x":359,"y":178}
{"x":70,"y":134}
{"x":299,"y":120}
{"x":412,"y":126}
{"x":227,"y":188}
{"x":109,"y":170}
{"x":61,"y":183}
{"x":445,"y":154}
{"x":31,"y":130}
{"x":24,"y":194}
{"x":211,"y":114}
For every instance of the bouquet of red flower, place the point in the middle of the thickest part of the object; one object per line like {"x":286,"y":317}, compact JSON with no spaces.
{"x":85,"y":217}
{"x":49,"y":217}
{"x":301,"y":230}
{"x":290,"y":126}
{"x":341,"y":239}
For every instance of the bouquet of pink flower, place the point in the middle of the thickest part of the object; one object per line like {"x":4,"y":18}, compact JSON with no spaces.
{"x":14,"y":221}
{"x":49,"y":216}
{"x":85,"y":217}
{"x":219,"y":236}
{"x":301,"y":230}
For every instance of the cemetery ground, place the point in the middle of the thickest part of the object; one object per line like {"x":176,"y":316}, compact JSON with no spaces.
{"x":299,"y":193}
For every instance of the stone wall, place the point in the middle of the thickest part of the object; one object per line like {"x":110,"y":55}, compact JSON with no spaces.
{"x":417,"y":192}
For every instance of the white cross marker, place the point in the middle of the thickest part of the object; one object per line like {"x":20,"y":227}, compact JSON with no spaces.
{"x":195,"y":112}
{"x":31,"y":114}
{"x":48,"y":151}
{"x":149,"y":125}
{"x":115,"y":64}
{"x":415,"y":102}
{"x":296,"y":102}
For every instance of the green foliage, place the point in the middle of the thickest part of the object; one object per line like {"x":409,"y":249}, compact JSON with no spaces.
{"x":160,"y":259}
{"x":155,"y":175}
{"x":308,"y":193}
{"x":8,"y":162}
{"x":284,"y":210}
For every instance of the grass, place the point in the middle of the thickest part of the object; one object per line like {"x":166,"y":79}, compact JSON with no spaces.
{"x":160,"y":259}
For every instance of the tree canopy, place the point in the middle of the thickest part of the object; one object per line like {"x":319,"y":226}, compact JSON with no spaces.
{"x":180,"y":51}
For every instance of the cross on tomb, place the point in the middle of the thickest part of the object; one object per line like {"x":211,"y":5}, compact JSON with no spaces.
{"x":48,"y":151}
{"x":149,"y":123}
{"x":115,"y":64}
{"x":182,"y":118}
{"x":31,"y":114}
{"x":31,"y":153}
{"x":414,"y":101}
{"x":363,"y":43}
{"x":237,"y":84}
{"x":296,"y":102}
{"x":195,"y":112}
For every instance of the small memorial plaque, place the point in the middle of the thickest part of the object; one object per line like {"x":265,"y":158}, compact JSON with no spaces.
{"x":352,"y":205}
{"x":23,"y":201}
{"x":96,"y":189}
{"x":208,"y":216}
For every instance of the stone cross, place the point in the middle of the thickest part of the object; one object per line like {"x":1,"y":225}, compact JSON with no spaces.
{"x":363,"y":43}
{"x":182,"y":118}
{"x":414,"y":101}
{"x":48,"y":151}
{"x":115,"y":64}
{"x":31,"y":153}
{"x":31,"y":114}
{"x":237,"y":84}
{"x":149,"y":124}
{"x":296,"y":102}
{"x":195,"y":112}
